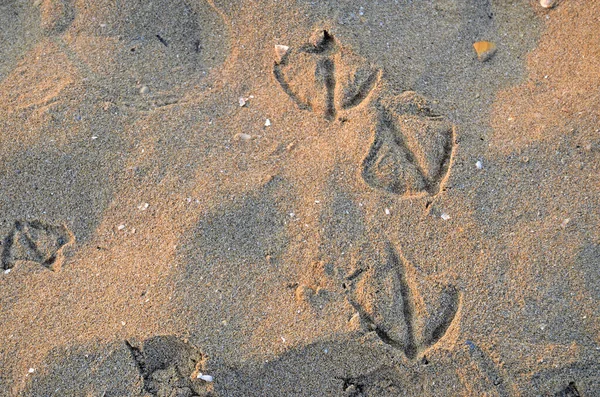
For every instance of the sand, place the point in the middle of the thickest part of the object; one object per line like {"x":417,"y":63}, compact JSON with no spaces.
{"x":371,"y":210}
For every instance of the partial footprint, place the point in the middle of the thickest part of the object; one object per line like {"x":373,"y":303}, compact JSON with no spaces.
{"x":171,"y":367}
{"x":19,"y":31}
{"x":161,"y":44}
{"x":38,"y":242}
{"x":569,"y":391}
{"x":412,"y":150}
{"x":384,"y":381}
{"x":324,"y":77}
{"x":386,"y":298}
{"x":56,"y":15}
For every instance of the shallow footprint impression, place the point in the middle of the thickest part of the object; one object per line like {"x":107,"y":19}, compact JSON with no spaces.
{"x":35,"y":241}
{"x":171,"y":367}
{"x":161,"y":44}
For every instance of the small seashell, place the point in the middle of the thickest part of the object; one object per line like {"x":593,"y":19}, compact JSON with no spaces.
{"x":445,"y":216}
{"x":484,"y":49}
{"x":206,"y":378}
{"x":280,"y":52}
{"x":547,"y":3}
{"x":144,"y":90}
{"x":479,"y":165}
{"x":267,"y":123}
{"x":387,"y":211}
{"x":242,"y":101}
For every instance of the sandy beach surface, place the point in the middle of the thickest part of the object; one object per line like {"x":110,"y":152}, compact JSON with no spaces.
{"x":299,"y":198}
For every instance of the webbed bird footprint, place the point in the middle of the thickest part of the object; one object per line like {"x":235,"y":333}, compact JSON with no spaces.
{"x":387,"y":299}
{"x":412,"y":150}
{"x":36,"y":241}
{"x":324,"y":77}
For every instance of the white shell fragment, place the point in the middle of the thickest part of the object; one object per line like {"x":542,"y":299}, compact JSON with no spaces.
{"x":445,"y":216}
{"x":479,"y":165}
{"x":242,"y":137}
{"x":547,"y":3}
{"x":143,"y":206}
{"x":387,"y":211}
{"x":31,"y":370}
{"x":144,"y":90}
{"x":280,"y":51}
{"x":244,"y":100}
{"x":267,"y":123}
{"x":206,"y":378}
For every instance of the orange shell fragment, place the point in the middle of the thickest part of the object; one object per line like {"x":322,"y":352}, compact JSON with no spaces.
{"x":484,"y":49}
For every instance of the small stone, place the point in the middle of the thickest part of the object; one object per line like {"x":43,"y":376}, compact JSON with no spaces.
{"x":31,"y":370}
{"x":267,"y":123}
{"x":121,"y":227}
{"x":387,"y":211}
{"x":242,"y":137}
{"x":479,"y":165}
{"x":143,"y":206}
{"x":565,"y":222}
{"x":547,"y":3}
{"x":280,"y":52}
{"x":445,"y":216}
{"x":144,"y":90}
